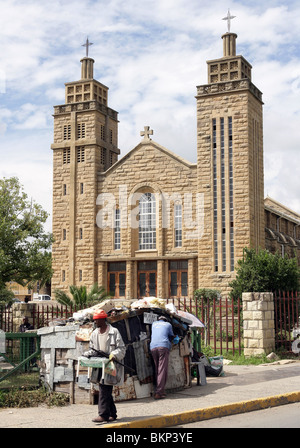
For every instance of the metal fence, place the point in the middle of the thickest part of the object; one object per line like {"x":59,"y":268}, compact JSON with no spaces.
{"x":287,"y":319}
{"x":6,"y":319}
{"x":223,"y":322}
{"x":42,"y":315}
{"x":19,"y":360}
{"x":222,"y":318}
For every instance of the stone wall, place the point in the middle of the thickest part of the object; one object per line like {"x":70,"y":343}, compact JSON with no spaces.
{"x":259,"y":326}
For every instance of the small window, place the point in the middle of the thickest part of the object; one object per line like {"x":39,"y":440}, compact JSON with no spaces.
{"x":64,"y":189}
{"x":80,"y":275}
{"x":81,"y":188}
{"x":80,"y":154}
{"x":102,"y":155}
{"x":64,"y":234}
{"x":102,"y":132}
{"x":67,"y":132}
{"x":80,"y":233}
{"x":66,"y":155}
{"x":63,"y":276}
{"x":81,"y":130}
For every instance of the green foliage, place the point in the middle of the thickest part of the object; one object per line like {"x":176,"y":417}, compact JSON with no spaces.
{"x":206,"y":294}
{"x":24,"y":244}
{"x":263,"y":272}
{"x":6,"y":296}
{"x":81,"y":297}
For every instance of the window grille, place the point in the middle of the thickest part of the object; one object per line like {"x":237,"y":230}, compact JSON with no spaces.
{"x":102,"y":132}
{"x":81,"y":130}
{"x":80,"y":154}
{"x":117,"y":238}
{"x":178,"y":225}
{"x":67,"y":132}
{"x":66,"y":155}
{"x":215,"y":194}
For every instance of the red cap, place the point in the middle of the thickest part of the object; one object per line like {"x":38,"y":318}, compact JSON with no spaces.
{"x":101,"y":314}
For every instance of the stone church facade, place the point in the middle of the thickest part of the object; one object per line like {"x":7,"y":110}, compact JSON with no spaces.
{"x":152,"y":223}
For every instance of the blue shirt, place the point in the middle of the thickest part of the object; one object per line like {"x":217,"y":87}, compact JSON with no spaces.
{"x":162,"y":335}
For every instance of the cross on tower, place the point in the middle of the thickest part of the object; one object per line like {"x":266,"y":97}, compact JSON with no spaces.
{"x":87,"y":45}
{"x":228,"y":18}
{"x":146,"y":132}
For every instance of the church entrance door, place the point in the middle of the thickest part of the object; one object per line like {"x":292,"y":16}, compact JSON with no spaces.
{"x":147,"y":279}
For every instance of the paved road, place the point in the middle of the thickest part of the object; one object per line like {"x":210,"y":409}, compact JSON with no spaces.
{"x":286,"y":416}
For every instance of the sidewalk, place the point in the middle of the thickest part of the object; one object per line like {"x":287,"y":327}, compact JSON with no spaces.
{"x":242,"y":389}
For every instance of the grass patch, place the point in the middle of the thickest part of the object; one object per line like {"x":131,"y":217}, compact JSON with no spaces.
{"x":237,"y":359}
{"x":24,"y":398}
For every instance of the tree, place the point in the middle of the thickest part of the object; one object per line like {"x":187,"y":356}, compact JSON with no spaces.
{"x":263,"y":271}
{"x":81,"y":297}
{"x":24,"y":244}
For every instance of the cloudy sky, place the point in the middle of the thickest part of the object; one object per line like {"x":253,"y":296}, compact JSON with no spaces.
{"x":151,"y":54}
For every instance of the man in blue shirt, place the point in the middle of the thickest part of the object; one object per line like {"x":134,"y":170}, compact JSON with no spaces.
{"x":160,"y":346}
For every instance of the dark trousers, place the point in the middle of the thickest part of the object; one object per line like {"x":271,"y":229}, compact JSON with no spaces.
{"x":161,"y":359}
{"x":106,"y":405}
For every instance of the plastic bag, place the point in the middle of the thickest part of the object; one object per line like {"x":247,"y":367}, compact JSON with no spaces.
{"x":216,"y":362}
{"x":110,"y":368}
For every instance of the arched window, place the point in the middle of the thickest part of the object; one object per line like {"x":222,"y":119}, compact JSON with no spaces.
{"x":147,"y":222}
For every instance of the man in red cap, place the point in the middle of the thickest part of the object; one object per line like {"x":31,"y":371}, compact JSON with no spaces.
{"x":107,"y":339}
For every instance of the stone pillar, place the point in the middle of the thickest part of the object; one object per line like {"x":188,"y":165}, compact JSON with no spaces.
{"x":259,"y":326}
{"x":129,"y":279}
{"x":20,"y":310}
{"x":102,"y":274}
{"x":160,"y":278}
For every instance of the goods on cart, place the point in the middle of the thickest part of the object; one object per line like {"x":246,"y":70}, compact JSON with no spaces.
{"x":149,"y":302}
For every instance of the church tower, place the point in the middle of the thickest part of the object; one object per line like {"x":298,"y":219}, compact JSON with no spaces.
{"x":85,"y":144}
{"x":230,"y":165}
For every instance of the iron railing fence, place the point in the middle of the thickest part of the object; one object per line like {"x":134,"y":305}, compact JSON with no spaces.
{"x":287,"y":319}
{"x":222,"y":317}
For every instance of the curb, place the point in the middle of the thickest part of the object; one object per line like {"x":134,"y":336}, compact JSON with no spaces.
{"x":224,"y":410}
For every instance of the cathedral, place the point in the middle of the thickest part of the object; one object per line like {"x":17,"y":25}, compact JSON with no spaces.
{"x":151,"y":223}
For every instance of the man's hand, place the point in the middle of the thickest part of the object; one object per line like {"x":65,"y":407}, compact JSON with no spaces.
{"x":111,"y":357}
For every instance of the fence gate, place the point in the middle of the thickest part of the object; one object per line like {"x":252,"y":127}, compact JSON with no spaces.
{"x":19,"y":353}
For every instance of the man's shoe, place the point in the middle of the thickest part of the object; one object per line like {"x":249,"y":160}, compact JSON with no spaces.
{"x":159,"y":397}
{"x":99,"y":420}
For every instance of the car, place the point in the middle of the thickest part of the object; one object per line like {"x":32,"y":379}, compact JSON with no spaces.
{"x":44,"y":297}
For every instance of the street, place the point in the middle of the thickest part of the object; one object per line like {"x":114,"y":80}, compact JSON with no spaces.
{"x":286,"y":416}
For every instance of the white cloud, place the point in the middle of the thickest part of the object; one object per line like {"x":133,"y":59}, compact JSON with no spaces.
{"x":152,"y":55}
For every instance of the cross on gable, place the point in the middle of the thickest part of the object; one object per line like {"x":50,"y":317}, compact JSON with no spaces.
{"x":146,"y":132}
{"x":87,"y":45}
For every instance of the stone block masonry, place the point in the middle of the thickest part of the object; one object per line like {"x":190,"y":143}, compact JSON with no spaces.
{"x":259,"y":326}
